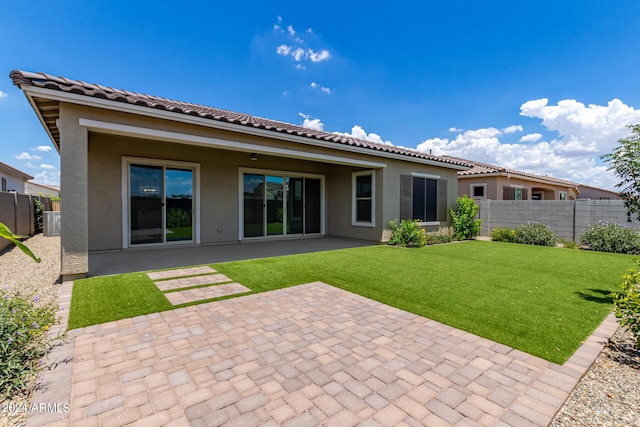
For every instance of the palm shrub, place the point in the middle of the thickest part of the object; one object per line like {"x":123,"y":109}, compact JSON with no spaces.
{"x":408,"y":234}
{"x":535,"y":233}
{"x":611,"y":237}
{"x":627,"y":303}
{"x":465,"y":224}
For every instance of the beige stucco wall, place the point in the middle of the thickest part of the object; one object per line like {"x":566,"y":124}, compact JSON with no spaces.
{"x":95,"y":204}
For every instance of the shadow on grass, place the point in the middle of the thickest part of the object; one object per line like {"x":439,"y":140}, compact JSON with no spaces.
{"x":602,"y":296}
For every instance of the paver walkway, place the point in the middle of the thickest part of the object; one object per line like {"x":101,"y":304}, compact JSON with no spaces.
{"x":194,"y":276}
{"x":309,"y":355}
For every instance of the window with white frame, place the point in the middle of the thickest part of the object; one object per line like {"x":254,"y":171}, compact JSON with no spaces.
{"x":563,"y":195}
{"x":478,"y":191}
{"x":363,"y":198}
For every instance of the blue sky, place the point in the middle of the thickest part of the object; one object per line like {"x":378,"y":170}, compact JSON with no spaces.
{"x":544,"y":86}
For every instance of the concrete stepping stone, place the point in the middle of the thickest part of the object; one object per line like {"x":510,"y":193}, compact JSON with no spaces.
{"x":168,"y":274}
{"x":187,"y":282}
{"x":198,"y":294}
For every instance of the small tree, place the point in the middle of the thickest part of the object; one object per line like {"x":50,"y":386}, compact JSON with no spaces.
{"x":465,"y":224}
{"x":625,"y":162}
{"x":627,"y":303}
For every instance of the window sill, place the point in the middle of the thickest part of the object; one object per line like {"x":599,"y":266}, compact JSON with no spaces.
{"x":423,"y":224}
{"x":363,"y":224}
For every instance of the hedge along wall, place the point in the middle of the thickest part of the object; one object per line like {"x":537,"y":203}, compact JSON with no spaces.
{"x":567,"y":218}
{"x":17,"y":213}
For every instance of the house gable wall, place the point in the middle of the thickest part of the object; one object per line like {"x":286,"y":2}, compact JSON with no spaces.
{"x":495,"y":185}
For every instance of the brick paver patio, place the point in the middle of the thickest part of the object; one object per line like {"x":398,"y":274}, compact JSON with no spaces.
{"x":309,"y":355}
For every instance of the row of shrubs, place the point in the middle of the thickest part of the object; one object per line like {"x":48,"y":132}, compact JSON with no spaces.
{"x":602,"y":237}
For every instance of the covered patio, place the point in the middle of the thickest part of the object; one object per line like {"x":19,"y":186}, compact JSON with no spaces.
{"x":156,"y":258}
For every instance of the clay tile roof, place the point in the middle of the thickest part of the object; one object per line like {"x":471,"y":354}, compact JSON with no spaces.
{"x":485,"y":168}
{"x":47,"y":81}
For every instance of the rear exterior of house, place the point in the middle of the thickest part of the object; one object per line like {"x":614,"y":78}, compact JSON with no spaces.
{"x":140,"y":171}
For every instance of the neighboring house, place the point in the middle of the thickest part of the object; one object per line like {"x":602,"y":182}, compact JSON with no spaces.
{"x":13,"y":179}
{"x":41,"y":190}
{"x":139,"y":170}
{"x":484,"y":181}
{"x":594,"y":193}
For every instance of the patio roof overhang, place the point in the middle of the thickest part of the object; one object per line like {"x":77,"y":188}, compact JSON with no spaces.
{"x":46,"y":104}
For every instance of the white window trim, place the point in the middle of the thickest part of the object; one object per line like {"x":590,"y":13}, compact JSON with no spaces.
{"x":126,"y":165}
{"x":516,"y":186}
{"x":483,"y":185}
{"x":354,"y":222}
{"x":287,"y":174}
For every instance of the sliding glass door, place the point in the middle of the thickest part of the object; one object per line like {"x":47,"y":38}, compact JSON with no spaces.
{"x":278,"y":205}
{"x":161,"y":205}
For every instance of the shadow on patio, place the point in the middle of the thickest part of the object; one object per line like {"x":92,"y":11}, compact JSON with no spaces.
{"x":106,"y":263}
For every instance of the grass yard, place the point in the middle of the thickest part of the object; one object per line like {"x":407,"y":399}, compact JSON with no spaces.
{"x":544,"y":301}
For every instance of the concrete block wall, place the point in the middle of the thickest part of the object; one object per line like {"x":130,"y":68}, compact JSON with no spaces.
{"x":567,"y":218}
{"x":17,"y":213}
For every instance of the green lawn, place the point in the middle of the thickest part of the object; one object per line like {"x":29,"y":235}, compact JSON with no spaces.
{"x":544,"y":301}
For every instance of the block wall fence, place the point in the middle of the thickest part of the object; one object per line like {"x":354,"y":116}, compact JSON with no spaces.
{"x":567,"y":218}
{"x":17,"y":213}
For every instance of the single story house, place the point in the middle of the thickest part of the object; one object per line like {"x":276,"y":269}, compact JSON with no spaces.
{"x":13,"y":179}
{"x":595,"y":193}
{"x":37,"y":189}
{"x":143,"y":171}
{"x":485,"y":181}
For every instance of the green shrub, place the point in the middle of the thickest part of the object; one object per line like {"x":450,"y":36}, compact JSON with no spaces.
{"x":627,"y":303}
{"x":611,"y":237}
{"x":503,"y":235}
{"x":37,"y":213}
{"x":535,"y":233}
{"x":465,"y":224}
{"x":438,"y":238}
{"x":177,"y":217}
{"x":24,"y":340}
{"x":569,"y":244}
{"x":408,"y":234}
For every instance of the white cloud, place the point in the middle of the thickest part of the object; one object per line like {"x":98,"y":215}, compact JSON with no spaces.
{"x":283,"y":50}
{"x":513,"y":129}
{"x":583,"y":129}
{"x":3,"y":95}
{"x":299,"y":67}
{"x":47,"y":167}
{"x":299,"y":54}
{"x":30,"y":165}
{"x":583,"y":134}
{"x":291,"y":30}
{"x":42,"y":148}
{"x":279,"y":19}
{"x":322,"y":88}
{"x":360,"y":133}
{"x":277,"y":28}
{"x":531,"y":137}
{"x":454,"y":129}
{"x":48,"y":178}
{"x":309,"y":123}
{"x":323,"y":55}
{"x":27,"y":156}
{"x":309,"y":31}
